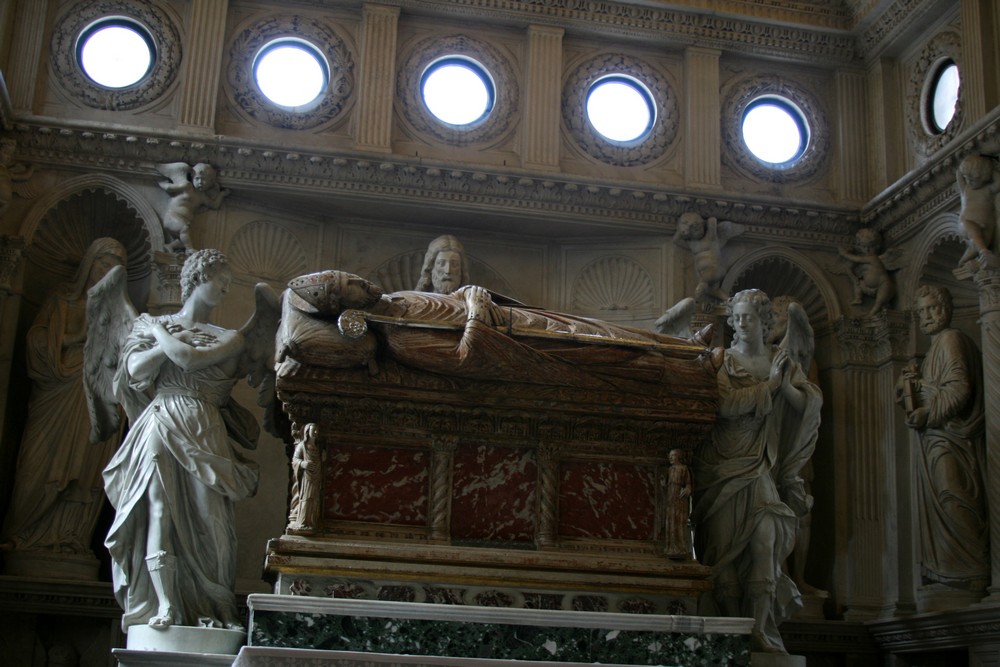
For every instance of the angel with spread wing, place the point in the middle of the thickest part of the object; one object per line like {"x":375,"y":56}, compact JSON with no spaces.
{"x":869,"y":269}
{"x":705,"y":239}
{"x":749,"y":491}
{"x":175,"y":478}
{"x":189,"y":188}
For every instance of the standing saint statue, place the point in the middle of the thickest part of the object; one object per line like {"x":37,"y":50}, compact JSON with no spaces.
{"x":58,"y":489}
{"x":749,"y":491}
{"x":943,"y":400}
{"x":175,"y":478}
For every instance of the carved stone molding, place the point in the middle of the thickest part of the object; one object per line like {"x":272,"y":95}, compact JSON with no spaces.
{"x":936,"y":631}
{"x":925,"y":139}
{"x":505,"y":104}
{"x":624,"y":154}
{"x":873,"y":341}
{"x":166,"y":62}
{"x":10,"y":258}
{"x":403,"y":180}
{"x":246,"y":96}
{"x":735,"y":152}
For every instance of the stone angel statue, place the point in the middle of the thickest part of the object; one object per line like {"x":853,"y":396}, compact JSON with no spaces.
{"x":870,"y":269}
{"x":175,"y":478}
{"x":189,"y":188}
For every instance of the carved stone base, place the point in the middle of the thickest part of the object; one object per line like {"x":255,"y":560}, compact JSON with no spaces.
{"x":129,"y":658}
{"x":185,"y":639}
{"x":51,"y":565}
{"x":812,"y":606}
{"x":938,"y":597}
{"x":776,"y":660}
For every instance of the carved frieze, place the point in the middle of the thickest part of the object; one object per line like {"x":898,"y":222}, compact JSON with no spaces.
{"x":872,"y":341}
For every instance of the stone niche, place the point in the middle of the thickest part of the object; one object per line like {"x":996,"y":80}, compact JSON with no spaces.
{"x":507,"y":492}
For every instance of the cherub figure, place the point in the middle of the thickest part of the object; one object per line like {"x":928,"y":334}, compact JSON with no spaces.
{"x":189,"y":188}
{"x":705,"y":239}
{"x":174,"y":479}
{"x":680,"y":486}
{"x":979,"y":184}
{"x":11,"y":174}
{"x":305,"y":480}
{"x":869,"y":269}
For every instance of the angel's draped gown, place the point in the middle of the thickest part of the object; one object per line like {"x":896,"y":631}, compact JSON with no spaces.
{"x":187,"y":436}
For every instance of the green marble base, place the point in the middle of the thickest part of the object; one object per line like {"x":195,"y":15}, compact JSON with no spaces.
{"x":367,"y":626}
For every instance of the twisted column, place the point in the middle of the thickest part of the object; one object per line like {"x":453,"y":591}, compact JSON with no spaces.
{"x":442,"y":457}
{"x":548,"y":495}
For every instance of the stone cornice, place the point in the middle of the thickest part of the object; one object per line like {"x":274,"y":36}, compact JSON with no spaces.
{"x":930,"y":188}
{"x":979,"y":624}
{"x":800,"y":31}
{"x":359,"y":177}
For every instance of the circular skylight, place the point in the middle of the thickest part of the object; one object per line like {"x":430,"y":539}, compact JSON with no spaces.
{"x":290,"y":73}
{"x":620,"y":108}
{"x":115,"y":53}
{"x":458,"y":91}
{"x":774,"y":130}
{"x":944,"y":95}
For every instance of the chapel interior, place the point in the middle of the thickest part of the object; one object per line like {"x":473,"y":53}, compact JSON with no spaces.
{"x":551,"y":213}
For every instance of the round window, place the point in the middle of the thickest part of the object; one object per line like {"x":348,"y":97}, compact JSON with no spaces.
{"x":457,"y":91}
{"x":620,"y":108}
{"x":116,"y":53}
{"x":291,"y":73}
{"x":774,"y":130}
{"x":943,"y":96}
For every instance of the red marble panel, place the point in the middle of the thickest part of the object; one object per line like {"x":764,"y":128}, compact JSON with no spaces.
{"x":493,"y":494}
{"x":607,"y":500}
{"x":379,"y":484}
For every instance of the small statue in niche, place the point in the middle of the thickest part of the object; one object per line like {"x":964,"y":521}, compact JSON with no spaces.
{"x":979,"y":184}
{"x":706,"y":239}
{"x":445,"y":267}
{"x":189,"y":188}
{"x":680,"y":486}
{"x":306,"y":482}
{"x":178,"y":472}
{"x":943,"y":400}
{"x":869,"y":267}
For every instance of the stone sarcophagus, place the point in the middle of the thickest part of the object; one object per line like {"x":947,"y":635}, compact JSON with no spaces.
{"x":454,"y":449}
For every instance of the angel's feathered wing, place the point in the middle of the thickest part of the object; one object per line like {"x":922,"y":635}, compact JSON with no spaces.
{"x":177,"y":172}
{"x":727,"y":230}
{"x":258,"y":355}
{"x":799,"y":341}
{"x":677,"y":320}
{"x":110,"y":315}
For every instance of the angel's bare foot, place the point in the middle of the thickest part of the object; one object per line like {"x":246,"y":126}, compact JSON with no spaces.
{"x":164,"y":617}
{"x":477,"y":303}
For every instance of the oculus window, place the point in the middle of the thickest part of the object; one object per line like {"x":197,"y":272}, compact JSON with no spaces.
{"x":620,"y":108}
{"x":116,"y":53}
{"x":457,"y":91}
{"x":775,"y":130}
{"x":943,"y":96}
{"x":291,"y":73}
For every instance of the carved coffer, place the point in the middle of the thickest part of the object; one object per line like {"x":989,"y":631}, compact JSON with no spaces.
{"x":490,"y":485}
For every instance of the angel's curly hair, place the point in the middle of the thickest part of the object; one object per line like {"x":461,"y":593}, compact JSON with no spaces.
{"x":199,"y":267}
{"x":758,"y":299}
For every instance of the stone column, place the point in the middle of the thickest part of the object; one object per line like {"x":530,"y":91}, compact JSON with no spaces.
{"x":852,"y":136}
{"x":202,"y":63}
{"x":988,"y":282}
{"x":442,"y":459}
{"x":702,"y":118}
{"x":548,"y":496}
{"x":542,"y":96}
{"x":876,"y":459}
{"x":376,"y":89}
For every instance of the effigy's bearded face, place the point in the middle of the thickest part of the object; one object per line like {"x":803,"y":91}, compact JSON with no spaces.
{"x":330,"y":292}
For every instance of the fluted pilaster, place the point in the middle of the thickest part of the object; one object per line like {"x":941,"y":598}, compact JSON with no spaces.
{"x":543,"y":92}
{"x":852,"y":140}
{"x":202,"y":65}
{"x":22,"y":75}
{"x":874,"y":352}
{"x":376,"y":89}
{"x":702,"y":129}
{"x":886,"y":135}
{"x":979,"y":80}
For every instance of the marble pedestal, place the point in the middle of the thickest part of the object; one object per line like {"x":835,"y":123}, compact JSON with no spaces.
{"x":500,"y":634}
